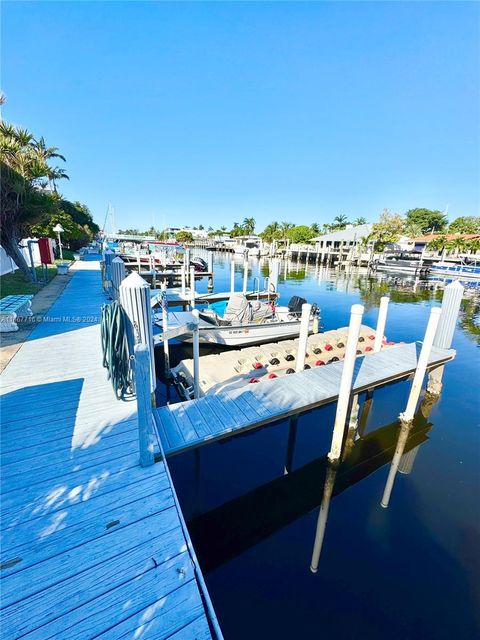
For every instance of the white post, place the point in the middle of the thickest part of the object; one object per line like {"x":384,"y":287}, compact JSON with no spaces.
{"x":166,"y":349}
{"x":182,"y":279}
{"x":323,"y":516}
{"x":196,"y":356}
{"x":382,"y":319}
{"x":144,"y":404}
{"x":210,"y":261}
{"x":134,"y":295}
{"x":274,"y":273}
{"x":186,"y":261}
{"x":192,"y":287}
{"x":356,"y":314}
{"x":303,"y":336}
{"x":245,"y":276}
{"x":452,"y":299}
{"x":108,"y":257}
{"x":232,"y":276}
{"x":118,"y":275}
{"x":407,"y":415}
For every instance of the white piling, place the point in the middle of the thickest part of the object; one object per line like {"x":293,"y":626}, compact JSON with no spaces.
{"x":452,"y":298}
{"x":274,"y":273}
{"x":192,"y":287}
{"x":245,"y":276}
{"x":303,"y":337}
{"x":232,"y":276}
{"x":210,"y":261}
{"x":196,"y":356}
{"x":144,"y":404}
{"x":356,"y":314}
{"x":166,"y":348}
{"x":182,"y":279}
{"x":118,"y":275}
{"x":382,"y":319}
{"x":407,"y":415}
{"x":134,"y":296}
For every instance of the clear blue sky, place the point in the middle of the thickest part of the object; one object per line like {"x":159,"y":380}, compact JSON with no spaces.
{"x":190,"y":113}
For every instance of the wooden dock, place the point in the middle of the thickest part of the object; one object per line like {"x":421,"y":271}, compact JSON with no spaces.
{"x":93,"y":545}
{"x":194,"y":423}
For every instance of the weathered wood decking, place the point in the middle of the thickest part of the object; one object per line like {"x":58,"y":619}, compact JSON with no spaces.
{"x":92,"y":544}
{"x":194,"y":423}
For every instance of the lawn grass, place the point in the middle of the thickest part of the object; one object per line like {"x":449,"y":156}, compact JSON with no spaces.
{"x":16,"y":284}
{"x":67,"y":256}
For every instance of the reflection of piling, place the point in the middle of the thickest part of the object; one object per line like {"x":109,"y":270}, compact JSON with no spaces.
{"x":407,"y":460}
{"x":323,"y":515}
{"x":292,"y":438}
{"x":402,"y":439}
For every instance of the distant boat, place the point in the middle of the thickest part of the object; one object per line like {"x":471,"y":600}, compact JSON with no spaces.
{"x":401,"y":263}
{"x":467,"y":271}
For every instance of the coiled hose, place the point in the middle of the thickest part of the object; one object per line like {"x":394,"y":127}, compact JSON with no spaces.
{"x":115,"y":334}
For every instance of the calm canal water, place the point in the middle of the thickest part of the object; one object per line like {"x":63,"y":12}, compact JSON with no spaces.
{"x":407,"y":571}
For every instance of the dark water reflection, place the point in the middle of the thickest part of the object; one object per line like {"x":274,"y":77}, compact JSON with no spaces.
{"x":406,"y":571}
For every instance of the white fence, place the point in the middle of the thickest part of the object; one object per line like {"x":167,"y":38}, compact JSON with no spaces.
{"x":7,"y":265}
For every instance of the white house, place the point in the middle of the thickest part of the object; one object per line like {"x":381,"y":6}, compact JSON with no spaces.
{"x":349,"y":237}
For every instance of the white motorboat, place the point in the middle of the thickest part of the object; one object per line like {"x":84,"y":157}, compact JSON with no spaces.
{"x":244,"y":322}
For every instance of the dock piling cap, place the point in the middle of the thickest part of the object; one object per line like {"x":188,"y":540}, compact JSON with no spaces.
{"x":134,"y":281}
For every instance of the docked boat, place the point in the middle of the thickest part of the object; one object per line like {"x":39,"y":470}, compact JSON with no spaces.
{"x":401,"y":263}
{"x":199,"y":264}
{"x":466,"y":270}
{"x":244,"y":322}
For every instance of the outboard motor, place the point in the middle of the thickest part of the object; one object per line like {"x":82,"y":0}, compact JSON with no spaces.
{"x":295,"y":305}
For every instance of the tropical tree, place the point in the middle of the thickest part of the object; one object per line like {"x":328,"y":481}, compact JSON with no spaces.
{"x":184,"y":236}
{"x":359,"y":221}
{"x":439,"y":243}
{"x":26,"y":200}
{"x":271,"y":232}
{"x":339,"y":222}
{"x":427,"y":220}
{"x":285,"y":228}
{"x":236,"y":230}
{"x":248,"y":226}
{"x":465,"y":224}
{"x":300,"y":233}
{"x":223,"y":229}
{"x":387,"y":230}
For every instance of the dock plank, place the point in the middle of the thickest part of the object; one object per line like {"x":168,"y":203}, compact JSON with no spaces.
{"x":92,"y":543}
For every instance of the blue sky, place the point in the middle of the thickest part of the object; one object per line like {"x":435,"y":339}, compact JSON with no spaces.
{"x":190,"y":113}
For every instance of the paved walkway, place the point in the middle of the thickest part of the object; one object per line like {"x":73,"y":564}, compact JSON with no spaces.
{"x":93,"y":545}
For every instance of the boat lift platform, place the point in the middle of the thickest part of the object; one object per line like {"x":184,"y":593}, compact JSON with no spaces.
{"x":177,"y":298}
{"x":191,"y":424}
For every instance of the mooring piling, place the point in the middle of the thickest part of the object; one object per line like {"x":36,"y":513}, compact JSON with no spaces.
{"x":381,"y":322}
{"x":196,"y":355}
{"x":118,"y":275}
{"x":134,"y":296}
{"x":356,"y":315}
{"x":166,"y":348}
{"x":452,"y":299}
{"x":303,"y":337}
{"x":407,"y":415}
{"x":144,"y":404}
{"x":192,"y":287}
{"x":245,"y":276}
{"x":182,"y":280}
{"x":274,"y":272}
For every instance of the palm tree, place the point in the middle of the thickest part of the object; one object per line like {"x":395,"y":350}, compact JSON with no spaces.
{"x":271,"y":232}
{"x":315,"y":228}
{"x":223,"y":229}
{"x":358,"y":221}
{"x":340,"y":222}
{"x":285,"y":227}
{"x":248,"y":225}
